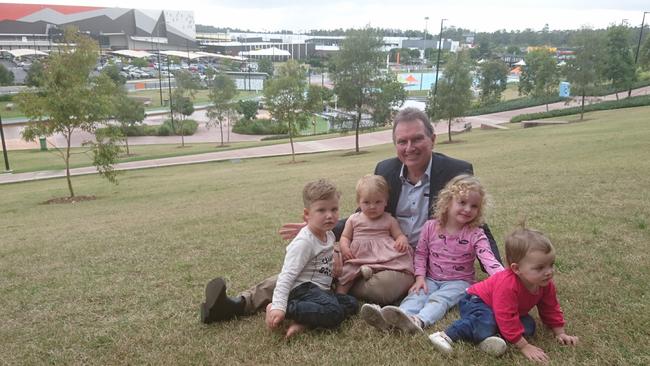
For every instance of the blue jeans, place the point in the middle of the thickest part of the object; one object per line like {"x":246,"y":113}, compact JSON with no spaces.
{"x":432,"y":305}
{"x":313,"y":307}
{"x":477,"y":321}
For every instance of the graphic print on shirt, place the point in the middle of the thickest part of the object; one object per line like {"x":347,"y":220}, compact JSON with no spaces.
{"x":323,"y":264}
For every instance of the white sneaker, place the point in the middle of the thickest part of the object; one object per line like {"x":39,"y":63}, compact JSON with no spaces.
{"x":366,"y":272}
{"x":371,"y":313}
{"x":396,"y":317}
{"x":494,"y":346}
{"x":441,"y":342}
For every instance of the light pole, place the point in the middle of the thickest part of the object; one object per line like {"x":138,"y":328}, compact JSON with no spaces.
{"x":424,"y":44}
{"x":435,"y":85}
{"x":638,"y":47}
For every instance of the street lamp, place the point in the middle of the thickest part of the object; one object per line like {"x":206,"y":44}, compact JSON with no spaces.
{"x":435,"y":85}
{"x":4,"y":147}
{"x":638,"y":47}
{"x":424,"y":44}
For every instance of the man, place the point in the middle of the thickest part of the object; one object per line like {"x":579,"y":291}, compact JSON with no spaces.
{"x":415,"y":177}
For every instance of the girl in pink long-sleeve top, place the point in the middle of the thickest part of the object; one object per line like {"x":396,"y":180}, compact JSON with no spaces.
{"x":444,"y":259}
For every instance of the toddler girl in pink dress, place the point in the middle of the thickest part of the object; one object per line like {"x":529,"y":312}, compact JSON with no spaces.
{"x":372,"y":240}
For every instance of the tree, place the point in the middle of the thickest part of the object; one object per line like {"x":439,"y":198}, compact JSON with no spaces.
{"x":6,"y":76}
{"x":454,"y":91}
{"x":69,"y":100}
{"x":182,"y":105}
{"x":265,"y":65}
{"x":644,"y":54}
{"x":285,"y":99}
{"x":34,"y":74}
{"x":128,"y":112}
{"x":357,"y":69}
{"x":222,"y":91}
{"x":493,"y":76}
{"x":539,"y":78}
{"x":248,"y":108}
{"x":619,"y":64}
{"x":388,"y":95}
{"x":113,"y":72}
{"x":584,"y":71}
{"x":140,"y":62}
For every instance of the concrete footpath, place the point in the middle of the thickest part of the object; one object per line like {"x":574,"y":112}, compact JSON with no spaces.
{"x":303,"y":147}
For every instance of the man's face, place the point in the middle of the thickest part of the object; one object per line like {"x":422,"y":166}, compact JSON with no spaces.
{"x":413,"y":145}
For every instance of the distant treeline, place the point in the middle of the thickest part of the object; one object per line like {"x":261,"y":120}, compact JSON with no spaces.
{"x":500,"y":38}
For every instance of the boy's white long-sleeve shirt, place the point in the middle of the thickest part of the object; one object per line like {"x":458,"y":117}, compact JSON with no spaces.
{"x":308,"y":259}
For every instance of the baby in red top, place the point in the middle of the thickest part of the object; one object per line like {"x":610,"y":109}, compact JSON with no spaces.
{"x":501,"y":303}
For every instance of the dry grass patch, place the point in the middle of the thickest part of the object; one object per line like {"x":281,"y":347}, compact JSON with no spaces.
{"x":118,"y":280}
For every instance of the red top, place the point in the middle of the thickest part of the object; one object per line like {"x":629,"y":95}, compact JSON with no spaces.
{"x":510,"y":299}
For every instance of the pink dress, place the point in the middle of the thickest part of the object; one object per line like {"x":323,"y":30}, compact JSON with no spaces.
{"x":373,"y":246}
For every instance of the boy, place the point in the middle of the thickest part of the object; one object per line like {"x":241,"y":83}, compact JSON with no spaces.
{"x":501,"y":303}
{"x":302,"y":292}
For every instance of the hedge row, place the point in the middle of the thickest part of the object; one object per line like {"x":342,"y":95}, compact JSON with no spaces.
{"x":189,"y":128}
{"x":513,"y":104}
{"x":639,"y":101}
{"x":259,"y":127}
{"x":599,"y":91}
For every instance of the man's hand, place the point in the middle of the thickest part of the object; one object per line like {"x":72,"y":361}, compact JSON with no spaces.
{"x":566,"y":339}
{"x":274,"y":318}
{"x":534,"y":353}
{"x":401,"y":244}
{"x":290,"y":230}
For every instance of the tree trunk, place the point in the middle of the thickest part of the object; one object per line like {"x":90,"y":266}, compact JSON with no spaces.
{"x":449,"y":129}
{"x":617,"y":96}
{"x":547,"y":107}
{"x":66,"y":157}
{"x":357,"y":122}
{"x":221,"y":128}
{"x":126,"y":141}
{"x":228,"y":129}
{"x":293,"y":152}
{"x":582,"y":106}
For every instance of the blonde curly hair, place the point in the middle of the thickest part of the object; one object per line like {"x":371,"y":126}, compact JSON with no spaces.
{"x":460,"y":186}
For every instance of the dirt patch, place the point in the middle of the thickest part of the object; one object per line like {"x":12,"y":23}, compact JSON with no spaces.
{"x":293,"y":162}
{"x":74,"y":199}
{"x":352,"y":153}
{"x":450,"y":142}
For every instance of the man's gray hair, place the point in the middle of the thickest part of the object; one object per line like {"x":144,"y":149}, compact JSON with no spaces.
{"x":411,"y":114}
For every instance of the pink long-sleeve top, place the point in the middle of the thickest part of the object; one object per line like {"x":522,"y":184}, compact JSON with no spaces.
{"x":510,"y":299}
{"x":446,"y":257}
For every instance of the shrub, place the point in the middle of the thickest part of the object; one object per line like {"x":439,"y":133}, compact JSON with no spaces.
{"x":259,"y":127}
{"x":640,"y":101}
{"x":512,"y":104}
{"x":6,"y":97}
{"x":189,"y":128}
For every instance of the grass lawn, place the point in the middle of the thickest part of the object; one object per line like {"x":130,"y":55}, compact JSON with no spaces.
{"x":118,"y":280}
{"x":13,"y":112}
{"x":511,"y":92}
{"x":200,"y":97}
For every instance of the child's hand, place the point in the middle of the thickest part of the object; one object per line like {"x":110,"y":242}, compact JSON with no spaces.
{"x":346,"y":252}
{"x":337,"y":267}
{"x":420,"y":284}
{"x":401,"y":244}
{"x":274,"y":318}
{"x":566,"y":339}
{"x":534,"y":353}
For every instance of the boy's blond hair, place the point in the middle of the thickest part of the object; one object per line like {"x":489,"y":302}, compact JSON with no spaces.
{"x":372,"y":183}
{"x":460,"y":186}
{"x":523,"y":240}
{"x":318,"y":190}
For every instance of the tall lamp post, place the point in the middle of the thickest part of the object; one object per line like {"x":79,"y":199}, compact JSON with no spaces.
{"x":435,"y":85}
{"x":638,"y":47}
{"x":424,"y":44}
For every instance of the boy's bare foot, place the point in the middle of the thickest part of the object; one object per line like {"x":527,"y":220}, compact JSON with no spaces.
{"x":294,"y":329}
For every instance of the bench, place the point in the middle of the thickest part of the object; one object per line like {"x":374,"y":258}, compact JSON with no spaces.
{"x":9,"y":106}
{"x":492,"y":126}
{"x":526,"y":124}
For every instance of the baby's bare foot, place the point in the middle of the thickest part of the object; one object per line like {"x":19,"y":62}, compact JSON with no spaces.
{"x":294,"y":329}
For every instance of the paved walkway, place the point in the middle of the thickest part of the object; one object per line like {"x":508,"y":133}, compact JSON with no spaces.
{"x":305,"y":147}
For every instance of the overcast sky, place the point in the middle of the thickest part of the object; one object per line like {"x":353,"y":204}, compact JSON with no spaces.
{"x":479,"y":15}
